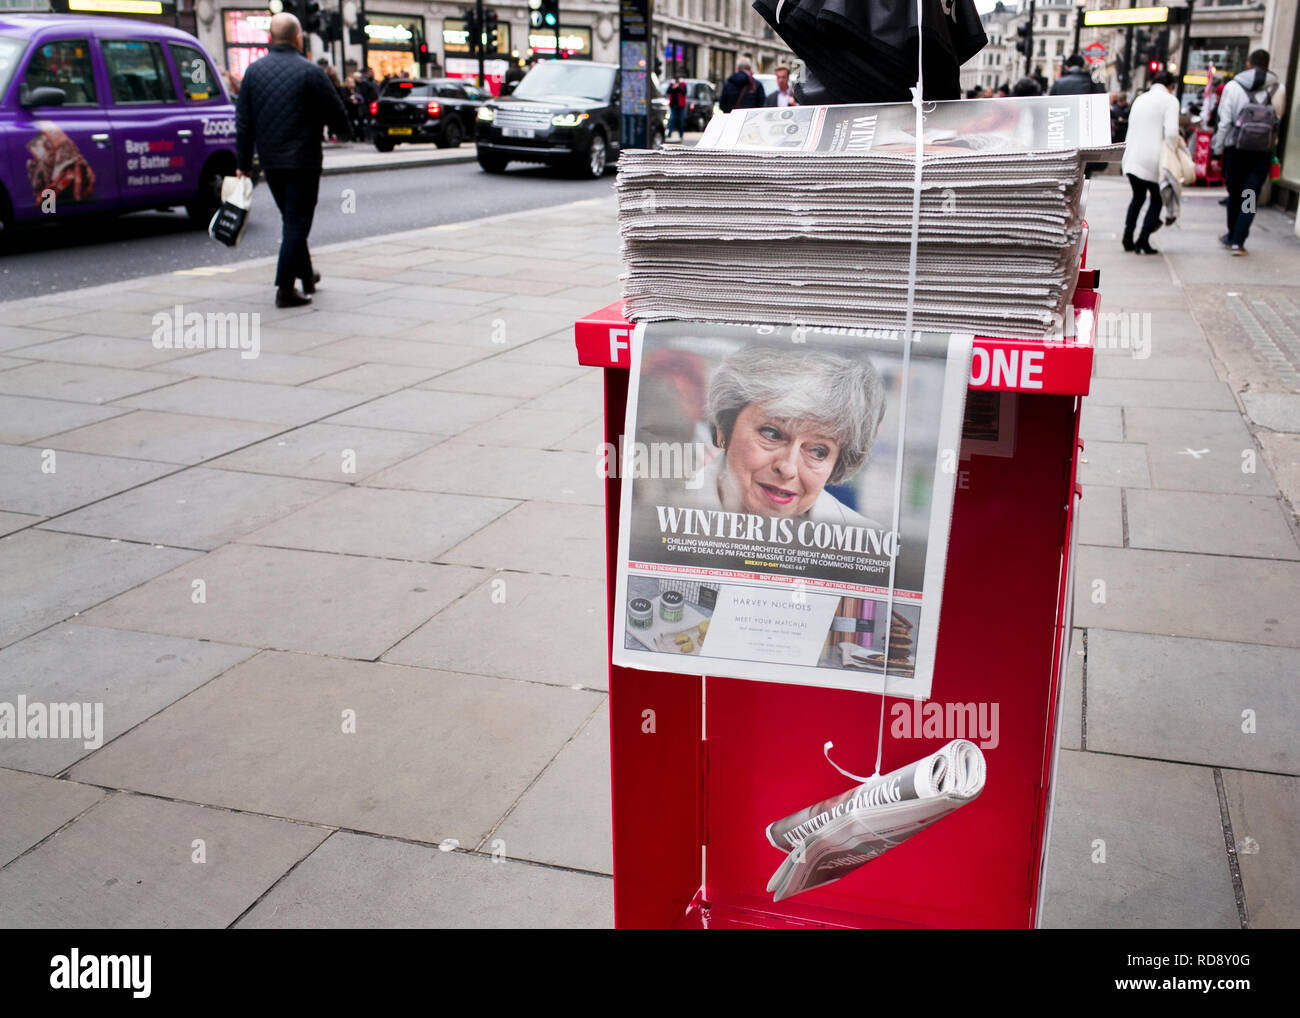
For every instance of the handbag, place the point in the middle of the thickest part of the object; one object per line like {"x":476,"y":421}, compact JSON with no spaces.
{"x":1178,"y":161}
{"x":231,"y":219}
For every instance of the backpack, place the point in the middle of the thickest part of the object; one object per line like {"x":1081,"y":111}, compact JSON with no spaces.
{"x":1256,"y":124}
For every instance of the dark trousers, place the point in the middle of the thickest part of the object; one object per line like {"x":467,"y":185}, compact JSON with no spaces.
{"x":1244,"y":173}
{"x":1143,"y":189}
{"x":677,"y":120}
{"x":295,"y":193}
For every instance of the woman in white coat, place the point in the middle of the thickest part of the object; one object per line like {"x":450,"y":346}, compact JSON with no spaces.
{"x":1152,"y":121}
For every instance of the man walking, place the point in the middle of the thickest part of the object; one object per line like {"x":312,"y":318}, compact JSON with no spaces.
{"x":1076,"y":80}
{"x":1152,"y":121}
{"x":284,"y":103}
{"x":741,"y":91}
{"x":1249,"y":111}
{"x":782,"y":96}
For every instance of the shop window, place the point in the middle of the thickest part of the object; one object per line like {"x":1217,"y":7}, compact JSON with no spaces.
{"x":63,"y":64}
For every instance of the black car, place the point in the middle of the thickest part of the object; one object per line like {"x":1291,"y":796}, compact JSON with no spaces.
{"x":440,"y":110}
{"x":564,"y":113}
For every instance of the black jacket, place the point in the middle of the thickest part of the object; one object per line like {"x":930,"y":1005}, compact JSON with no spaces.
{"x":734,"y":96}
{"x":285,"y":102}
{"x":1076,"y":82}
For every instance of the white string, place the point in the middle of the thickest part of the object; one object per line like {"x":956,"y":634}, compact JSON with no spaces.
{"x":917,"y":92}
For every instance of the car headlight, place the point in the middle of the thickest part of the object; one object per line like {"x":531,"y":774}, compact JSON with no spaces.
{"x":487,"y":114}
{"x":568,"y":119}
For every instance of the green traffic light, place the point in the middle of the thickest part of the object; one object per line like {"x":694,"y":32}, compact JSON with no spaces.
{"x":550,"y":18}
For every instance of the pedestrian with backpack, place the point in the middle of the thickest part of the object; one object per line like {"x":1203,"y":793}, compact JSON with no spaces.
{"x":1249,"y":112}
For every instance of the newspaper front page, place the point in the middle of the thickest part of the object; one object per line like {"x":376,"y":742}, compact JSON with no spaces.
{"x":786,"y":500}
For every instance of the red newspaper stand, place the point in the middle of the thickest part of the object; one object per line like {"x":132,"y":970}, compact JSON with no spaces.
{"x":696,"y":783}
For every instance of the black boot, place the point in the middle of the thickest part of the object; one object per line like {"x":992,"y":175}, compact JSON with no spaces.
{"x":1143,"y":245}
{"x":290,"y":298}
{"x":310,"y":288}
{"x":1128,"y":240}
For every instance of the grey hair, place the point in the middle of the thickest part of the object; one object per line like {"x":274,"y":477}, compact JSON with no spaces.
{"x":744,"y":64}
{"x":841,"y":395}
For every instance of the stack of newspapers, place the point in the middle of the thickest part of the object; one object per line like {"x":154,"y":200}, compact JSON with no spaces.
{"x":803,"y":215}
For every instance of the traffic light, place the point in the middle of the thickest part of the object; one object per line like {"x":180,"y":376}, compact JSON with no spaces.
{"x":311,"y":19}
{"x":357,"y":36}
{"x":1024,"y":45}
{"x":490,"y":22}
{"x":473,"y":30}
{"x":331,"y":29}
{"x":1153,"y":66}
{"x":550,"y":11}
{"x":535,"y":13}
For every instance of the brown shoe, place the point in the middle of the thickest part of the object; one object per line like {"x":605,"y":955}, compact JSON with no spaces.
{"x":291,"y":298}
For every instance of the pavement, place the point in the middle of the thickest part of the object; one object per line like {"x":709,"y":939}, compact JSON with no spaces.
{"x":316,"y":592}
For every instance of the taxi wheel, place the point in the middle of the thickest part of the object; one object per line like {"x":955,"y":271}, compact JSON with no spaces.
{"x":384,"y":145}
{"x":207,"y":199}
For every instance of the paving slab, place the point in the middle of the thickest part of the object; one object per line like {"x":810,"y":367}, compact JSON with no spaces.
{"x":433,"y":755}
{"x":196,"y":508}
{"x":132,"y":324}
{"x":1172,"y":698}
{"x":508,"y":324}
{"x":588,"y":438}
{"x":1072,"y":697}
{"x":353,"y":881}
{"x":292,"y":600}
{"x":433,"y":357}
{"x":1212,"y":524}
{"x":1265,"y":814}
{"x":1198,"y":450}
{"x":1101,"y":423}
{"x":564,"y":818}
{"x":508,"y":627}
{"x":106,"y":351}
{"x":247,"y":401}
{"x":373,"y":379}
{"x":524,"y":381}
{"x":129,"y":675}
{"x":1273,"y":410}
{"x":1101,"y":516}
{"x":14,"y":337}
{"x":1182,"y":367}
{"x":273,"y":368}
{"x":35,"y":807}
{"x":1282,"y":455}
{"x":161,"y":437}
{"x":1161,"y":392}
{"x":1114,"y":464}
{"x":528,"y":429}
{"x":1165,"y":862}
{"x":1244,"y":600}
{"x":328,"y":452}
{"x":556,"y":350}
{"x":503,"y":471}
{"x":82,"y":383}
{"x":540,"y":537}
{"x":24,"y":419}
{"x":47,"y":577}
{"x":410,"y":525}
{"x":100,"y":873}
{"x":46,"y":482}
{"x":440,"y":413}
{"x":9,"y":522}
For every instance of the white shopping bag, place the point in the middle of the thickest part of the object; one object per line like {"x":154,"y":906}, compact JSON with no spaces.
{"x":230,"y":220}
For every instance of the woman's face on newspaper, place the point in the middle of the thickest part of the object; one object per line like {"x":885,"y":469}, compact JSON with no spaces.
{"x":777,"y":468}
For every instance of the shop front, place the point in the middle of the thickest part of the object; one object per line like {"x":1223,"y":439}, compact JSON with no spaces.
{"x":680,"y":58}
{"x":722,"y":64}
{"x":392,"y":42}
{"x":460,"y":63}
{"x":575,"y":43}
{"x":246,"y":35}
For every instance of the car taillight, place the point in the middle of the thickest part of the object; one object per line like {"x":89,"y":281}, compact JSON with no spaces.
{"x":434,"y":109}
{"x":374,"y":109}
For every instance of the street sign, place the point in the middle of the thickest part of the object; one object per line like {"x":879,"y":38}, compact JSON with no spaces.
{"x":1095,"y":53}
{"x":1127,"y":16}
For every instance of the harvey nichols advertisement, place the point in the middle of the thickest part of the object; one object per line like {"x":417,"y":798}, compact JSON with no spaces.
{"x":786,"y":502}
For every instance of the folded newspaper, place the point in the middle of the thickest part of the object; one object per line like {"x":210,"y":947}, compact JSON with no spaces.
{"x":803,"y":215}
{"x":833,"y":838}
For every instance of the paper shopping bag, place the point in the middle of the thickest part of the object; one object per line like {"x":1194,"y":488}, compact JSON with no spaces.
{"x":231,"y":218}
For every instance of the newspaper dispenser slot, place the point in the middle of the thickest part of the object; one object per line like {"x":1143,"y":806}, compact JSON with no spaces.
{"x":691,"y":801}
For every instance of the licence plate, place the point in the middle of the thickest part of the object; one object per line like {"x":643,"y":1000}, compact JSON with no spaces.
{"x":401,"y":130}
{"x":518,"y":132}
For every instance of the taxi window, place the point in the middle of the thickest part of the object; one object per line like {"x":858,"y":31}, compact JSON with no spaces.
{"x":198,"y":79}
{"x":137,"y":72}
{"x":65,"y":64}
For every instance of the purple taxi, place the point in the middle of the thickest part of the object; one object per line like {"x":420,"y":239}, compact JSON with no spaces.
{"x":108,"y":115}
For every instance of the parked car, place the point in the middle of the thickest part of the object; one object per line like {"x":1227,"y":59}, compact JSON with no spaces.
{"x":440,"y":110}
{"x":564,"y":113}
{"x":108,"y":115}
{"x":700,"y":101}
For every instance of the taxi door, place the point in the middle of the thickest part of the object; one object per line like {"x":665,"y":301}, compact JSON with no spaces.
{"x":158,"y":154}
{"x":60,"y":157}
